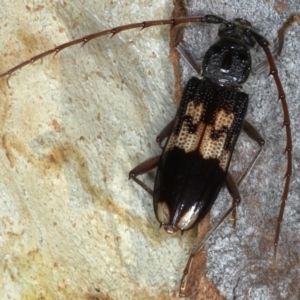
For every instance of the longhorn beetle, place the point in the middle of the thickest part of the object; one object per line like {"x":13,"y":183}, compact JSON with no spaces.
{"x":201,"y":138}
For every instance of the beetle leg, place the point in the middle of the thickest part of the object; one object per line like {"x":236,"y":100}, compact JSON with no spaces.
{"x":233,"y":190}
{"x":279,"y":41}
{"x":142,"y":168}
{"x":281,"y":32}
{"x":255,"y":136}
{"x":186,"y":55}
{"x":235,"y":194}
{"x":165,"y":133}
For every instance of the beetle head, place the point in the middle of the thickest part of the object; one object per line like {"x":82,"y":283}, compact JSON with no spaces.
{"x":240,"y":29}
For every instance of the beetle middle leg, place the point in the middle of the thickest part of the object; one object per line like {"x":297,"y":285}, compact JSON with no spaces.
{"x":165,"y":133}
{"x":251,"y":131}
{"x":152,"y":162}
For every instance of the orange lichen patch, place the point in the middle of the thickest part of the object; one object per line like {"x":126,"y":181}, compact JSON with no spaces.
{"x":280,"y":7}
{"x":28,"y":40}
{"x":35,"y":9}
{"x":15,"y":147}
{"x":98,"y":117}
{"x":56,"y":125}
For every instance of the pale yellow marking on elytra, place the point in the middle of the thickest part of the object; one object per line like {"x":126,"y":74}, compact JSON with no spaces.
{"x":209,"y":148}
{"x":163,"y":213}
{"x":214,"y":148}
{"x":185,"y":140}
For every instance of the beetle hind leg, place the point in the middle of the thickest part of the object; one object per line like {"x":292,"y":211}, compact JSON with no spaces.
{"x":143,"y":168}
{"x":233,"y":190}
{"x":236,"y":199}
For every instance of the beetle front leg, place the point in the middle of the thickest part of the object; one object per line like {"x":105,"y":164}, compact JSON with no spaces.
{"x":255,"y":136}
{"x":143,"y":168}
{"x":185,"y":54}
{"x":284,"y":28}
{"x":279,"y":42}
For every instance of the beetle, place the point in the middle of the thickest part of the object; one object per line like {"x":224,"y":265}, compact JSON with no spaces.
{"x":194,"y":164}
{"x":172,"y":228}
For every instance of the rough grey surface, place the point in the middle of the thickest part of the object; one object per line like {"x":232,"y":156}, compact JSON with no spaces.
{"x":240,"y":260}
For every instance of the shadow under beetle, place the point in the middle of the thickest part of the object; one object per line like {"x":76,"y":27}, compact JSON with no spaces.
{"x":201,"y":138}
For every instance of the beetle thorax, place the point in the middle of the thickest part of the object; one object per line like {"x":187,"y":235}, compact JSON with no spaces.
{"x":228,"y":62}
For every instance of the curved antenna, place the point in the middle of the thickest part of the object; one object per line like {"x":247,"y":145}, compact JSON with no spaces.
{"x":114,"y":31}
{"x":264,"y":44}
